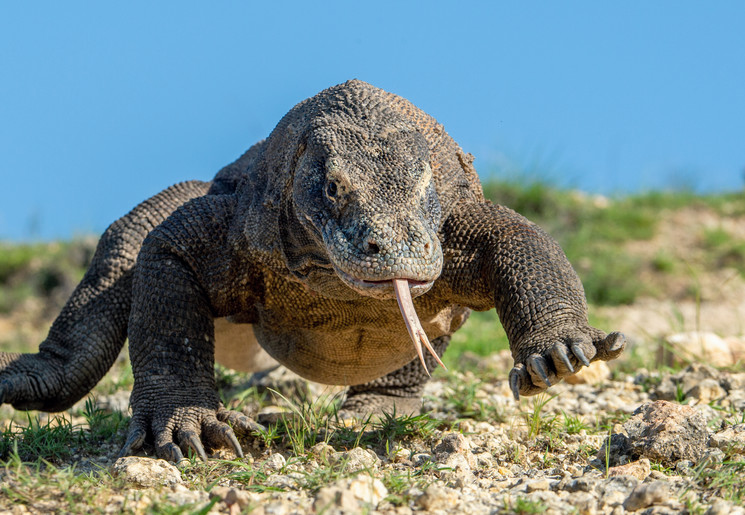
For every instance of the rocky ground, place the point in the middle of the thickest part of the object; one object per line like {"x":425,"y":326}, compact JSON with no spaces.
{"x":662,"y":430}
{"x":649,"y":442}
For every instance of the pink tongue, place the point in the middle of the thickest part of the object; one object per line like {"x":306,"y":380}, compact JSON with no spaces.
{"x":418,"y":336}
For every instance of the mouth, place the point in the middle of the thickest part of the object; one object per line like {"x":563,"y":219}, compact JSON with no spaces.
{"x":383,"y":289}
{"x":403,"y":290}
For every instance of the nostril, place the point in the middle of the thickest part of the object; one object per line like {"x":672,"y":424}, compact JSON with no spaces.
{"x":428,"y":250}
{"x":372,"y":247}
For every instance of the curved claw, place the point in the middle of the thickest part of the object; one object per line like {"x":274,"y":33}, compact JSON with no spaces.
{"x":134,"y":442}
{"x":515,"y":383}
{"x":538,"y":364}
{"x":559,"y":353}
{"x":232,"y":441}
{"x":577,"y":351}
{"x":221,"y":434}
{"x":191,"y":440}
{"x":170,"y":452}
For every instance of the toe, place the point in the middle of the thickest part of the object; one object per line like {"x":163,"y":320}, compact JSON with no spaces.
{"x":561,"y":360}
{"x":135,"y":439}
{"x":583,"y":350}
{"x":518,"y":377}
{"x":521,"y":382}
{"x":189,"y":439}
{"x":538,"y":370}
{"x":165,"y":448}
{"x":169,"y":451}
{"x":242,"y":424}
{"x":611,"y":346}
{"x":220,"y":434}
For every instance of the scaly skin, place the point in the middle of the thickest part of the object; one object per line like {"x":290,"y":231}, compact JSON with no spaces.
{"x":302,"y":238}
{"x":88,"y":334}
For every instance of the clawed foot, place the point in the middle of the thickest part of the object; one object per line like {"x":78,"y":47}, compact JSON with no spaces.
{"x":564,"y":358}
{"x":181,"y":429}
{"x":37,"y":382}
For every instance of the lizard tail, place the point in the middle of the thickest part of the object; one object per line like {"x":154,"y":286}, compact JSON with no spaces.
{"x":91,"y":329}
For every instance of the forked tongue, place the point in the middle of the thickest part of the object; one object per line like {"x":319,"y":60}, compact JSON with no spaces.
{"x":417,"y":334}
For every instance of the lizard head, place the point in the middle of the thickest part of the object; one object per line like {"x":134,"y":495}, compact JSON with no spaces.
{"x":367,"y":196}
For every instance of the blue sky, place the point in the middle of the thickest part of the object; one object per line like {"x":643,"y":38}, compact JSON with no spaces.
{"x":103,"y":104}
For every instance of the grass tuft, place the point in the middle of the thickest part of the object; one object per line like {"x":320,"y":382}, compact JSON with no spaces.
{"x":36,"y":441}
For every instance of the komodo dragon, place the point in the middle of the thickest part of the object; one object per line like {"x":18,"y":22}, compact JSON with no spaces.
{"x":316,"y":240}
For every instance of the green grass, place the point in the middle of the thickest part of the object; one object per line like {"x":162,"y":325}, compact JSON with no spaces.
{"x":725,"y":480}
{"x":592,"y":233}
{"x":14,"y":258}
{"x":41,"y":482}
{"x":399,"y":484}
{"x":103,"y":426}
{"x":724,"y":249}
{"x":481,"y":335}
{"x":535,"y":421}
{"x":524,"y":506}
{"x":463,"y":397}
{"x":55,"y":440}
{"x":50,"y":441}
{"x":574,"y":424}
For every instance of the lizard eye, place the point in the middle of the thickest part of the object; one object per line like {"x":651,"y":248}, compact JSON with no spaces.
{"x":331,"y":189}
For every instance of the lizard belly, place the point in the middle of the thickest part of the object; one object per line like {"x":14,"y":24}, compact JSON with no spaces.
{"x":343,"y":357}
{"x":354,"y":354}
{"x":236,"y":347}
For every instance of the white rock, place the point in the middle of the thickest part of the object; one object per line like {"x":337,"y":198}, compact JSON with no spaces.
{"x":706,"y":391}
{"x":696,"y":347}
{"x":729,"y":438}
{"x":355,"y":460}
{"x":182,"y":495}
{"x":275,"y":462}
{"x":351,"y":494}
{"x":454,"y":443}
{"x":647,"y":494}
{"x":596,"y":373}
{"x":146,"y":472}
{"x":231,"y":495}
{"x":437,"y":497}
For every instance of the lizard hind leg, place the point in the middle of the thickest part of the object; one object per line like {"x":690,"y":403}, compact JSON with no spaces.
{"x":399,"y":392}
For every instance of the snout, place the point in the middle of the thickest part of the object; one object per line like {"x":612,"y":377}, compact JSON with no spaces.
{"x":369,"y":258}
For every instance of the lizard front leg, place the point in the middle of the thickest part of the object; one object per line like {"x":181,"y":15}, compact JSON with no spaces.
{"x":495,"y":257}
{"x":182,"y":281}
